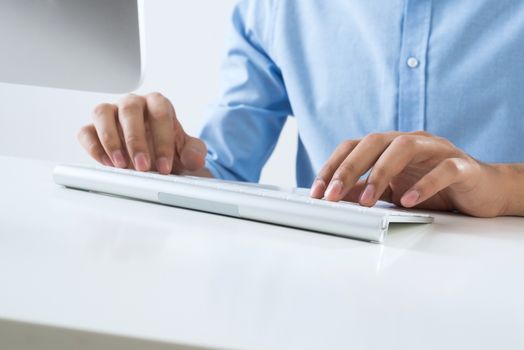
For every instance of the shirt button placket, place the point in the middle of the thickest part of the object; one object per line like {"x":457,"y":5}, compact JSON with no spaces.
{"x":412,"y":67}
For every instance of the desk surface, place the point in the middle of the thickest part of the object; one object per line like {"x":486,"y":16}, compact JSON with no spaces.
{"x":107,"y":265}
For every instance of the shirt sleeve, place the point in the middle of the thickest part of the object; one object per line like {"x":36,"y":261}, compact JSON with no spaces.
{"x":244,"y":125}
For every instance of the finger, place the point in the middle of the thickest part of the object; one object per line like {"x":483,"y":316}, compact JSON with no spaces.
{"x":403,"y":150}
{"x":88,"y":138}
{"x":161,"y":116}
{"x":104,"y":118}
{"x":357,"y":163}
{"x":326,"y":173}
{"x":448,"y":172}
{"x":192,"y":153}
{"x":131,"y":116}
{"x":356,"y":191}
{"x":355,"y":194}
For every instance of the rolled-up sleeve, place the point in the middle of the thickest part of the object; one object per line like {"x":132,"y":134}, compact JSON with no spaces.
{"x":244,"y":125}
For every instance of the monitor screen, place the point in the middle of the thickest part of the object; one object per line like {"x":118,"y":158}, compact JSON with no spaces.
{"x":93,"y":45}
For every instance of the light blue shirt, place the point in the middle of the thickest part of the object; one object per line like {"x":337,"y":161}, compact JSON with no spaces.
{"x":347,"y":68}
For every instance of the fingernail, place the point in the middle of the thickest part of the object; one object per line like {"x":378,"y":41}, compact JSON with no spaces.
{"x":318,"y":188}
{"x":411,"y":198}
{"x":368,"y":196}
{"x":162,"y":165}
{"x":334,"y":189}
{"x":120,"y":161}
{"x":106,"y":160}
{"x":141,"y":162}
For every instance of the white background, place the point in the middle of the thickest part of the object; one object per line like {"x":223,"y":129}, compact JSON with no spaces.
{"x":185,"y":42}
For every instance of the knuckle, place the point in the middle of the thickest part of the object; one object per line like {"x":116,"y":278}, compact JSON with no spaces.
{"x":159,"y":107}
{"x":157,"y":99}
{"x":405,"y":141}
{"x":347,"y":144}
{"x":454,"y":165}
{"x":160,"y":113}
{"x":106,"y":138}
{"x":128,"y":108}
{"x":375,"y":138}
{"x":155,"y":95}
{"x":444,"y":141}
{"x":102,"y":109}
{"x":131,"y":103}
{"x":134,"y":142}
{"x":131,"y":97}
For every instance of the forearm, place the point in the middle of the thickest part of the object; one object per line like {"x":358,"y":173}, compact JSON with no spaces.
{"x":513,"y":177}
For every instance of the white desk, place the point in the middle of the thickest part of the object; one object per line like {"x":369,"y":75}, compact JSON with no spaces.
{"x":77,"y":260}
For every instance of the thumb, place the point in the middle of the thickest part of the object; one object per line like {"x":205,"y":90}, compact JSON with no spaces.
{"x":193,"y":153}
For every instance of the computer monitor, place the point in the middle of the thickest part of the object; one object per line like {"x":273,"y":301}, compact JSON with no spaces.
{"x":93,"y":45}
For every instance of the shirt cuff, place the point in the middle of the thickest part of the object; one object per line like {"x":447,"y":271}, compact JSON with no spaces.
{"x":219,"y":171}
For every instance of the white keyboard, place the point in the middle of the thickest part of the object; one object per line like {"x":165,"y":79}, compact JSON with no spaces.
{"x":249,"y":201}
{"x":300,"y":195}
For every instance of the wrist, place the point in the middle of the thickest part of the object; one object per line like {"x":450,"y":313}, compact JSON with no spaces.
{"x":512,"y":181}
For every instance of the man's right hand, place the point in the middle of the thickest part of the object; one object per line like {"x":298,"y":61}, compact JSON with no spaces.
{"x":142,"y":133}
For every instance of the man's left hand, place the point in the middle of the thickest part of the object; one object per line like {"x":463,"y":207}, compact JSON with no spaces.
{"x":415,"y":170}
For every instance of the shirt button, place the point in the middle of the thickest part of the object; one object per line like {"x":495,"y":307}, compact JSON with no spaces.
{"x":413,"y":62}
